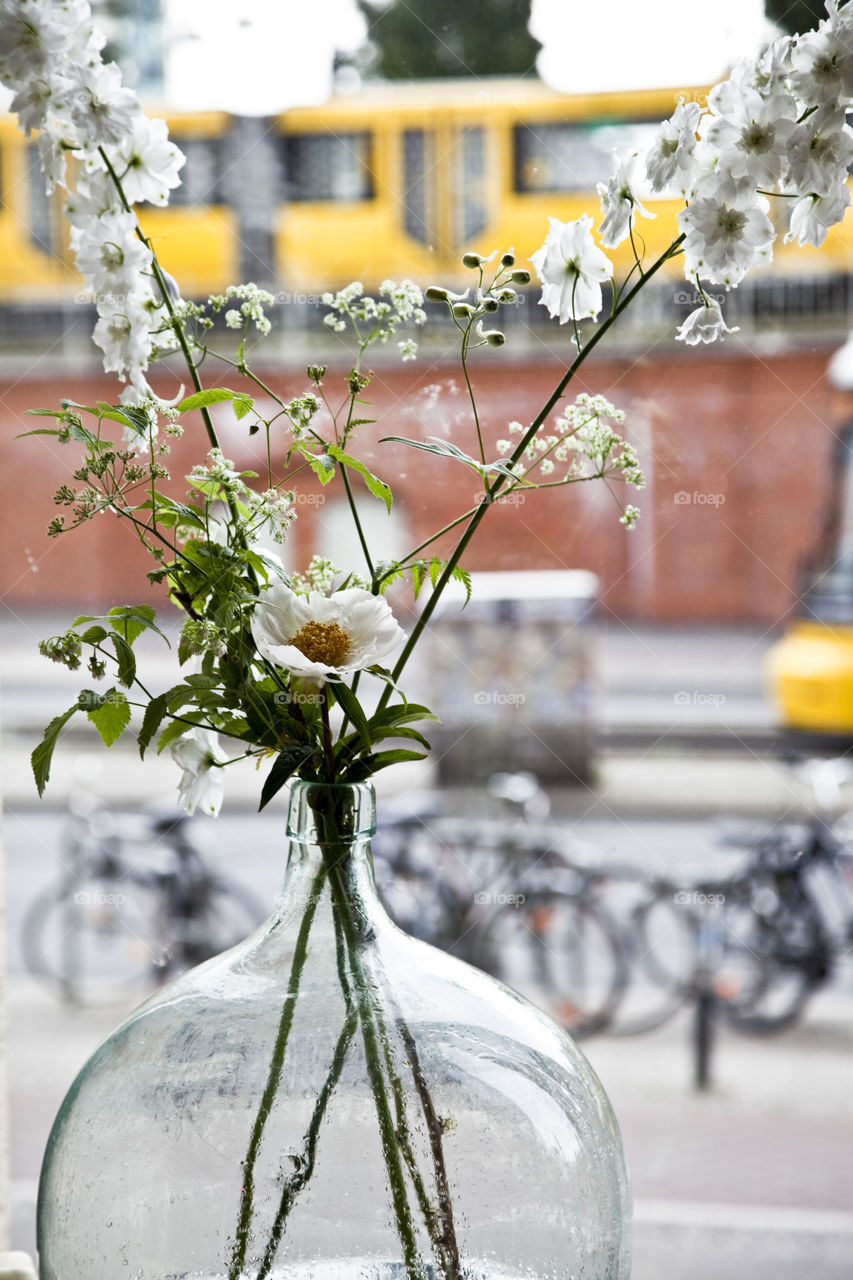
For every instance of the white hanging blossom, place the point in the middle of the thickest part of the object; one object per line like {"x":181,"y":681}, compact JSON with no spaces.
{"x":619,"y":204}
{"x":705,"y":324}
{"x":50,"y":56}
{"x":572,"y":269}
{"x":670,"y":159}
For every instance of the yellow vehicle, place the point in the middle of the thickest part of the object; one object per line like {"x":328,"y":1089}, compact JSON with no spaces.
{"x":395,"y":180}
{"x":811,"y":667}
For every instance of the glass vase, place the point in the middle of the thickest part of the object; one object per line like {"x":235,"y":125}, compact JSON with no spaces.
{"x":332,"y":1099}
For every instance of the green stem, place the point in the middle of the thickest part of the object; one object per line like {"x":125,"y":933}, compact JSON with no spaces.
{"x":499,"y":480}
{"x":247,"y":1207}
{"x":335,"y":854}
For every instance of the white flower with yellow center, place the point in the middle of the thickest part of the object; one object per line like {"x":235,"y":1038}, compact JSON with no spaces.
{"x":325,"y":637}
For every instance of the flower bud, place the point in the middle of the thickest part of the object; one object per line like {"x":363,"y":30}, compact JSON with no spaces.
{"x":508,"y":260}
{"x":316,"y":372}
{"x":494,"y":337}
{"x":506,"y":296}
{"x":472,"y":260}
{"x":462,"y":310}
{"x":490,"y":304}
{"x":435,"y":294}
{"x":521,"y":276}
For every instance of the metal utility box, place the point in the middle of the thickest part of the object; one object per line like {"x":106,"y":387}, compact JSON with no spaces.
{"x":510,"y":677}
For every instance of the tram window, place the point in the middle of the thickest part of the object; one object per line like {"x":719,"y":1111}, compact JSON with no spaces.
{"x":202,"y":178}
{"x":572,"y":156}
{"x":39,"y":221}
{"x":419,"y":214}
{"x":327,"y":166}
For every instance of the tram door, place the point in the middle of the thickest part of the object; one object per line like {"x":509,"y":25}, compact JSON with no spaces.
{"x":446,"y":192}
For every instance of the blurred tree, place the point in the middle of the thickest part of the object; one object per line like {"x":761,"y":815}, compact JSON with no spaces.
{"x":427,"y":39}
{"x":795,"y":15}
{"x":134,"y":31}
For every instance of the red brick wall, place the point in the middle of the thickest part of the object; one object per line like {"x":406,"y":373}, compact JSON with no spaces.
{"x":745,"y":438}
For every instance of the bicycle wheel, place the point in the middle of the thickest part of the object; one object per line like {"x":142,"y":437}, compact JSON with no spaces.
{"x":775,"y":954}
{"x":216,"y":914}
{"x":95,"y":939}
{"x":660,"y":939}
{"x":562,"y":953}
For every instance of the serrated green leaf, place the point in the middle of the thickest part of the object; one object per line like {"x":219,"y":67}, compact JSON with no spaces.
{"x":242,"y":405}
{"x":377,"y":487}
{"x":43,"y":754}
{"x":213,"y":395}
{"x":321,"y":464}
{"x":130,"y":620}
{"x":94,"y":635}
{"x":126,"y":660}
{"x":462,"y":575}
{"x":111,"y":716}
{"x":284,"y":767}
{"x":151,"y":721}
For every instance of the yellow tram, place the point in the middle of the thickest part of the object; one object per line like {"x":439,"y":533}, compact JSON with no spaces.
{"x":394,"y":180}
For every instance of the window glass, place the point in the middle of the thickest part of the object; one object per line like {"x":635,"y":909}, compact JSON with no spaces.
{"x":327,"y":166}
{"x":575,"y":155}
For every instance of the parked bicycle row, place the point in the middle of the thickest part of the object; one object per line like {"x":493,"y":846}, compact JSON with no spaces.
{"x":599,"y":946}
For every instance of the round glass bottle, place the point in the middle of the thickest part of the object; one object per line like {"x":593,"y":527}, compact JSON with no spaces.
{"x":333,"y":1099}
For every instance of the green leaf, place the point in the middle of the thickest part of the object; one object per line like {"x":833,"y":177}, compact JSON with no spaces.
{"x":151,"y":721}
{"x":380,"y":760}
{"x":242,"y":405}
{"x":130,"y":620}
{"x":214,"y":395}
{"x":171,"y":732}
{"x":462,"y":575}
{"x":126,"y":660}
{"x":94,"y":635}
{"x":321,"y":464}
{"x":284,"y":767}
{"x":109,"y":713}
{"x":377,"y":487}
{"x":445,"y":449}
{"x":404,"y":713}
{"x":43,"y":753}
{"x":352,"y":709}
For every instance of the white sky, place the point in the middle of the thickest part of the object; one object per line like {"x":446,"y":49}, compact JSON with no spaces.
{"x":261,"y":56}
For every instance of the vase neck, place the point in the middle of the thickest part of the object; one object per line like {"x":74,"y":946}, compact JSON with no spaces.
{"x":329,"y":828}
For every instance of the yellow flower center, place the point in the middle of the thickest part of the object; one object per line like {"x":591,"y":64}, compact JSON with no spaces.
{"x":324,"y":642}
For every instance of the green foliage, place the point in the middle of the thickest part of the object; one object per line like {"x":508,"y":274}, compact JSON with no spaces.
{"x":795,"y":15}
{"x":429,"y":39}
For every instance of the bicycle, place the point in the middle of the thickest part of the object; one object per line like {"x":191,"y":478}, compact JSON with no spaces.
{"x":136,"y":905}
{"x":505,"y":896}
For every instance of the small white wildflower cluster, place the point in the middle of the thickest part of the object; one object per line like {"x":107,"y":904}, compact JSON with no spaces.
{"x":373,"y":319}
{"x":778,"y":124}
{"x":300,"y":412}
{"x":252,"y":301}
{"x":273,"y":511}
{"x":322,"y":576}
{"x":255,"y":513}
{"x":585,"y":431}
{"x":200,"y":635}
{"x":50,"y":56}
